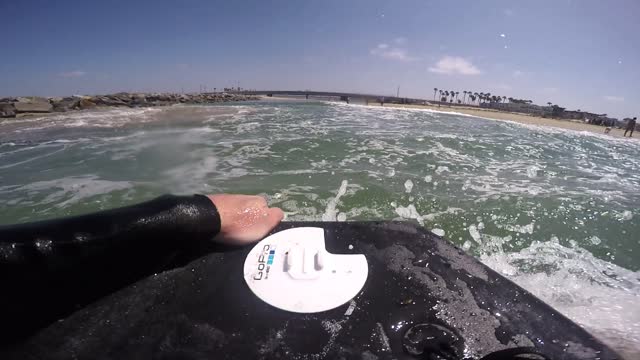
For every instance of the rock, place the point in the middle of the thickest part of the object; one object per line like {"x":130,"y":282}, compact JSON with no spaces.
{"x":138,"y":99}
{"x":32,"y":105}
{"x":10,"y":107}
{"x":109,"y":100}
{"x":84,"y":104}
{"x":124,"y":97}
{"x":65,"y":104}
{"x":31,"y":99}
{"x":155,"y":97}
{"x":7,"y":110}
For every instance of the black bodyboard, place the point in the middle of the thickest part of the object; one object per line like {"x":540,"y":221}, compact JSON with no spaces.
{"x":418,"y":284}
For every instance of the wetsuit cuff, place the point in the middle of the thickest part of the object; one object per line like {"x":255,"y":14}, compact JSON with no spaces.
{"x":213,"y":221}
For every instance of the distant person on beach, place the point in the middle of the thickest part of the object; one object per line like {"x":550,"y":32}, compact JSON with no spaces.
{"x":631,"y":125}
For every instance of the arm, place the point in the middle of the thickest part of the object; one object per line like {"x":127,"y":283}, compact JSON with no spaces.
{"x":43,"y":264}
{"x":153,"y":227}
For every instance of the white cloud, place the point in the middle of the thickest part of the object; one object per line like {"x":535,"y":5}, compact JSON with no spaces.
{"x":400,"y":40}
{"x":73,"y":74}
{"x":392,"y":53}
{"x":455,"y":65}
{"x":613,"y":98}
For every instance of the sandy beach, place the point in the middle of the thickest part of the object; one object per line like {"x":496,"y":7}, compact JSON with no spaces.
{"x":495,"y":115}
{"x":517,"y":117}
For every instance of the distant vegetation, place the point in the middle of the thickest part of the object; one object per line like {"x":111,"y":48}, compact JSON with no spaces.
{"x":488,"y":100}
{"x":474,"y":98}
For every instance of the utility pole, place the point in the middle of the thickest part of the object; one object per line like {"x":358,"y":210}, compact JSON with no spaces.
{"x":398,"y":92}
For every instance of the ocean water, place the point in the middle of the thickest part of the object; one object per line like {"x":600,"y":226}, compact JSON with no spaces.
{"x":556,"y":211}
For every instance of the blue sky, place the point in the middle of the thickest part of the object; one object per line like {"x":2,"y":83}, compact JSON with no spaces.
{"x":579,"y":54}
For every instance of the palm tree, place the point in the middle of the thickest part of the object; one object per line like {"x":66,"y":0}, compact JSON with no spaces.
{"x":457,"y":92}
{"x":549,"y":103}
{"x":446,"y":95}
{"x":435,"y":90}
{"x":464,"y":96}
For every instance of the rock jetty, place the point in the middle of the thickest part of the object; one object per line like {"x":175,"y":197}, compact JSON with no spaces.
{"x":20,"y":106}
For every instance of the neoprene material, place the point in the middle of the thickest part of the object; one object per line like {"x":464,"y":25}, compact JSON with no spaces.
{"x":49,"y":269}
{"x":423,"y":299}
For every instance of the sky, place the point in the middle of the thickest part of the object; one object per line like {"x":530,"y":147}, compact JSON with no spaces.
{"x":577,"y":54}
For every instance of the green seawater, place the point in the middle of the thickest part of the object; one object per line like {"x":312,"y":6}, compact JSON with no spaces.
{"x":556,"y":211}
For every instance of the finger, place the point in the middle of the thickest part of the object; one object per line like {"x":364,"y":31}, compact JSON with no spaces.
{"x":273,"y":218}
{"x":275,"y":215}
{"x":261,"y":201}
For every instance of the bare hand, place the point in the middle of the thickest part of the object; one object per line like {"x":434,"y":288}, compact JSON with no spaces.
{"x":244,"y":218}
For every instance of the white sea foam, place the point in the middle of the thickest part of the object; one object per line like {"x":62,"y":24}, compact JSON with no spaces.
{"x":67,"y":190}
{"x":408,"y":186}
{"x":330,"y":212}
{"x":580,"y":286}
{"x":475,"y":234}
{"x":409,"y":212}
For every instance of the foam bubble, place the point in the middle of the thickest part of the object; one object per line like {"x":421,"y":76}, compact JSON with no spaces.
{"x":438,"y":232}
{"x":442,"y":169}
{"x":408,"y":186}
{"x":475,"y":234}
{"x":409,"y":212}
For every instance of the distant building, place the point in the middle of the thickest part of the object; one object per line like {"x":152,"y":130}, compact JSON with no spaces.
{"x":581,"y":115}
{"x":552,"y":111}
{"x":532,"y":109}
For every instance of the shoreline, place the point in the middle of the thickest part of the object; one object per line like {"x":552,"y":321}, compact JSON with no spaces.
{"x":514,"y":117}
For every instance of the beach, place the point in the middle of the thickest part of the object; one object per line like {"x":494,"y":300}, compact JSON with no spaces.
{"x":510,"y":116}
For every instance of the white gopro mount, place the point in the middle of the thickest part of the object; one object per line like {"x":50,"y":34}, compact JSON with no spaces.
{"x":293,"y":271}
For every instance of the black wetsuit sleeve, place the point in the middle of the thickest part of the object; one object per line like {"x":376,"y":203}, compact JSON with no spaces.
{"x":50,"y":268}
